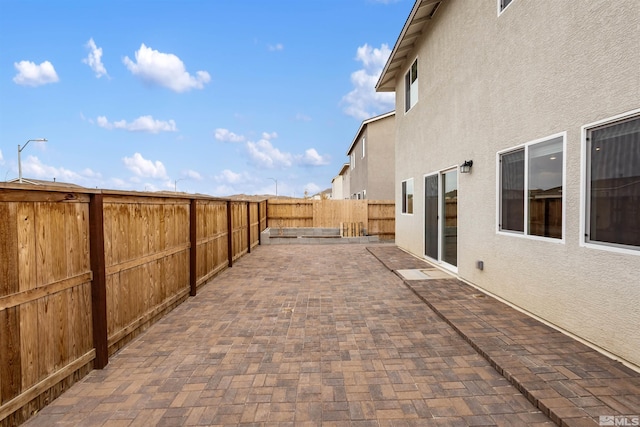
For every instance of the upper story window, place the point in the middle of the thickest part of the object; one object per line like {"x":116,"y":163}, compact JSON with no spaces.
{"x":364,"y":141}
{"x":613,"y":184}
{"x":502,"y":5}
{"x":411,"y":86}
{"x":531,"y":189}
{"x":353,"y":160}
{"x":407,"y":196}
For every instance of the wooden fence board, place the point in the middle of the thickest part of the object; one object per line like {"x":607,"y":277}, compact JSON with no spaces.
{"x":381,"y":219}
{"x":290,"y":213}
{"x":46,"y":276}
{"x":29,"y":337}
{"x":60,"y":329}
{"x":330,"y":213}
{"x":212,"y":234}
{"x":10,"y":362}
{"x":26,"y":246}
{"x":377,"y":215}
{"x":46,"y":338}
{"x":8,"y":249}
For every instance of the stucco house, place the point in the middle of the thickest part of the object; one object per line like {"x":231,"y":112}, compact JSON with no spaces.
{"x":371,"y":159}
{"x":340,"y":184}
{"x":540,"y":101}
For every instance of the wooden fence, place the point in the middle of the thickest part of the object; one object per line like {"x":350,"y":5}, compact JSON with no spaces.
{"x":83,"y":272}
{"x":378,"y":215}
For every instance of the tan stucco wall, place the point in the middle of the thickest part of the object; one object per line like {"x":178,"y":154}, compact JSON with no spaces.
{"x":488,"y":83}
{"x":359,"y":175}
{"x":375,"y":172}
{"x":336,"y":188}
{"x":381,"y":158}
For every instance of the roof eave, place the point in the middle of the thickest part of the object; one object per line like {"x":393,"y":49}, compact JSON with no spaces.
{"x":365,"y":123}
{"x":405,"y":43}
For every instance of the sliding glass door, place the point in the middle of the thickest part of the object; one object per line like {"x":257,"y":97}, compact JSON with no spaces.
{"x":441,"y":216}
{"x":450,"y":217}
{"x":431,"y":234}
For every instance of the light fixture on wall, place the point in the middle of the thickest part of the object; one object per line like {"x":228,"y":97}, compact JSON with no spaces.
{"x":466,"y":166}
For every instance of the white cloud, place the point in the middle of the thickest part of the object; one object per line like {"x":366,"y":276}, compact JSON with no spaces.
{"x":141,"y":124}
{"x":229,"y":177}
{"x":94,"y":59}
{"x":165,"y":69}
{"x":191,"y":174}
{"x":145,"y":168}
{"x":302,"y":118}
{"x":227,"y":136}
{"x":89,"y":173}
{"x":312,"y":158}
{"x":275,"y":47}
{"x":1,"y":158}
{"x":119,"y":183}
{"x":363,"y":101}
{"x":230,"y":182}
{"x":30,"y":74}
{"x":264,"y":154}
{"x":34,"y":168}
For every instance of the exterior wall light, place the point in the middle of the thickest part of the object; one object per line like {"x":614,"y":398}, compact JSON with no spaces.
{"x":466,"y":166}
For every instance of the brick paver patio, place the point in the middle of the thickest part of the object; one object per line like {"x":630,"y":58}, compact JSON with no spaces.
{"x":323,"y":335}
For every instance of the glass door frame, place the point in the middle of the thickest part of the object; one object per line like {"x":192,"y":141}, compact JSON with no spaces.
{"x":441,"y":216}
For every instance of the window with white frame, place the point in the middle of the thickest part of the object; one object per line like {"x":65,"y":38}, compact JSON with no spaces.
{"x":531,"y":188}
{"x":411,"y":86}
{"x":407,"y":196}
{"x":353,"y":160}
{"x":613,"y":184}
{"x":364,"y":141}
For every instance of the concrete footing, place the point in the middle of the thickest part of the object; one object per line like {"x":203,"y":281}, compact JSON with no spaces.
{"x":309,"y":236}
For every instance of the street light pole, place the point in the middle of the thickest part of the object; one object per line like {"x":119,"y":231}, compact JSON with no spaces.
{"x":175,"y":184}
{"x":276,"y":181}
{"x":20,"y":151}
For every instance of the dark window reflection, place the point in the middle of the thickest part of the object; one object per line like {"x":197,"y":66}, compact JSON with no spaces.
{"x":512,"y":194}
{"x":614,"y":155}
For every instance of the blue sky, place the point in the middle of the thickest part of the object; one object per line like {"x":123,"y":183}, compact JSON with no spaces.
{"x":218,"y":97}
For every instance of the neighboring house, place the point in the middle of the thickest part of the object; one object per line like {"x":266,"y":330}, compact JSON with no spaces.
{"x":340,"y":184}
{"x":544,"y":98}
{"x":371,"y":159}
{"x":323,"y":195}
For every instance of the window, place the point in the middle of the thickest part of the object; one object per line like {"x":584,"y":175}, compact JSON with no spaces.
{"x":353,"y":160}
{"x":407,"y":196}
{"x":531,"y":189}
{"x":411,"y":87}
{"x":364,"y":140}
{"x":502,"y":5}
{"x":613,"y":184}
{"x":364,"y":194}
